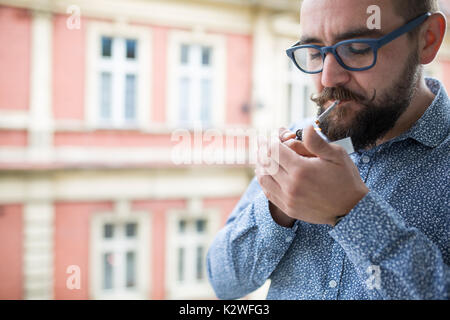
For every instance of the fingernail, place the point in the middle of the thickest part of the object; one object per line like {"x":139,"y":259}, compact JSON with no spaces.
{"x":286,"y":135}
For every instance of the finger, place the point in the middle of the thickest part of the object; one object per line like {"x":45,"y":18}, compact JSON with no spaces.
{"x":262,"y":155}
{"x":268,"y":181}
{"x":316,"y":145}
{"x":273,"y":169}
{"x":262,"y":142}
{"x":285,"y":156}
{"x":271,"y":189}
{"x":299,"y":148}
{"x":286,"y":134}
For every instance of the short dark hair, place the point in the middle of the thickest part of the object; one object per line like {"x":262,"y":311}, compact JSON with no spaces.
{"x":410,"y":9}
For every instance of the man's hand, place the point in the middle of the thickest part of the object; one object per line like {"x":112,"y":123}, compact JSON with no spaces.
{"x":289,"y":138}
{"x":316,"y":183}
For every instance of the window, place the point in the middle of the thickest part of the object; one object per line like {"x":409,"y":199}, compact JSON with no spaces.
{"x":131,"y":49}
{"x":299,"y":90}
{"x":118,"y":81}
{"x":196,"y":80}
{"x":195,"y":85}
{"x":130,"y":98}
{"x":118,"y":76}
{"x":119,"y":254}
{"x":192,"y":240}
{"x":106,"y":47}
{"x":105,"y":95}
{"x":188,"y":239}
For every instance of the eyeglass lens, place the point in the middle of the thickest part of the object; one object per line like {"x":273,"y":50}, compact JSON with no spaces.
{"x":354,"y":55}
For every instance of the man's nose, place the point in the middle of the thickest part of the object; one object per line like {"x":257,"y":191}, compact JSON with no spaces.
{"x":333,"y":74}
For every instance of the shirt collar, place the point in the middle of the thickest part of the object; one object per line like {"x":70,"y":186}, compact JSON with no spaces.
{"x":434,"y":125}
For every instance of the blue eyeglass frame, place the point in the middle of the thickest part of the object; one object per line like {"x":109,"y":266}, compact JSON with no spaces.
{"x":375,"y":44}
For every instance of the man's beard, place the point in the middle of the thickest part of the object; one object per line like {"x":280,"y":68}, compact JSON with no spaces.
{"x":375,"y":119}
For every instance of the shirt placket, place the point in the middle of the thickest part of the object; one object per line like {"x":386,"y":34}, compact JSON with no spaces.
{"x":333,"y":281}
{"x":364,"y":162}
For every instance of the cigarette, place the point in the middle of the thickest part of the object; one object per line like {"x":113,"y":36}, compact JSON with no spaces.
{"x":344,"y":143}
{"x":327,"y":112}
{"x":320,"y":133}
{"x":316,"y":124}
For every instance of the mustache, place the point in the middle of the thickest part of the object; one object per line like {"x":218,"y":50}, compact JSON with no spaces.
{"x":338,"y":93}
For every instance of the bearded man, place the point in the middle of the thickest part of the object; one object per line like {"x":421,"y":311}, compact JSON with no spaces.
{"x":370,"y":225}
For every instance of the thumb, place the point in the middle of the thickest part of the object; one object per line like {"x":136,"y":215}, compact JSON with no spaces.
{"x":315,"y":144}
{"x":299,"y":148}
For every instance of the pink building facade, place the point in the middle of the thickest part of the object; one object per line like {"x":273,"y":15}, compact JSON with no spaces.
{"x":93,"y":102}
{"x":93,"y":202}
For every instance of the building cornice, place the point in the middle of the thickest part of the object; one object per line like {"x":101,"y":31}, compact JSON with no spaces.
{"x":213,"y":15}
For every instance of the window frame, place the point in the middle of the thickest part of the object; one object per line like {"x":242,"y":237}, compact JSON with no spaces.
{"x":143,"y":71}
{"x":218,"y":69}
{"x":195,"y":72}
{"x":175,"y":290}
{"x":300,"y":81}
{"x":143,"y":254}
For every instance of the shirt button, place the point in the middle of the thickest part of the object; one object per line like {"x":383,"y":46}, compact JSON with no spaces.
{"x":332,"y":284}
{"x":288,"y":239}
{"x":365,"y":159}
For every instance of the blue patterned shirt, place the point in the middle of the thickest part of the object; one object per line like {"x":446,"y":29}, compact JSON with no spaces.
{"x":394,"y":244}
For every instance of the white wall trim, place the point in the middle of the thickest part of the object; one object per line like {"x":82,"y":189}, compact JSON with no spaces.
{"x":14,"y":119}
{"x":38,"y":248}
{"x":262,"y":73}
{"x":118,"y":157}
{"x":41,"y":115}
{"x":287,"y":25}
{"x":90,"y":185}
{"x":281,"y":81}
{"x":182,"y":15}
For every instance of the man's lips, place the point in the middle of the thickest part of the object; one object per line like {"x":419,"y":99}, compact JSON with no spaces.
{"x":331,"y":102}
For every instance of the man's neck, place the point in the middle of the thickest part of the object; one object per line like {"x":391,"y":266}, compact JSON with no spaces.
{"x":419,"y":104}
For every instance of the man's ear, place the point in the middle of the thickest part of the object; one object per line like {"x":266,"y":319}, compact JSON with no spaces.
{"x":431,"y":37}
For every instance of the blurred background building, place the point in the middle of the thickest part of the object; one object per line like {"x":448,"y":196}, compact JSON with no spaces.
{"x":92,"y":205}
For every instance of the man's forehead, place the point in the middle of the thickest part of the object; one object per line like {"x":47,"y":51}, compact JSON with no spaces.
{"x":332,"y":20}
{"x":349,"y":34}
{"x":339,"y":7}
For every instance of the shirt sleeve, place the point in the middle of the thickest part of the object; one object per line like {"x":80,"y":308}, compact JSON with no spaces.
{"x":395,"y":261}
{"x":247,"y":250}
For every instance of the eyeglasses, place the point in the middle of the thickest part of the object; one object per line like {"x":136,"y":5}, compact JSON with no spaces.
{"x":352,"y":55}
